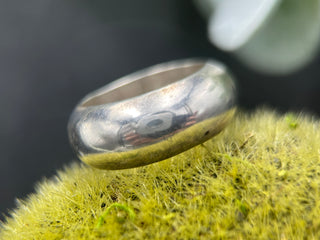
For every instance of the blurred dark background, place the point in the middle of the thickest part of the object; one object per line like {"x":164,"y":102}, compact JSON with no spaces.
{"x":53,"y":52}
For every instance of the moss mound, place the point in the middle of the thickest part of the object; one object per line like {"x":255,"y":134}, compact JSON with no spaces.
{"x":258,"y":179}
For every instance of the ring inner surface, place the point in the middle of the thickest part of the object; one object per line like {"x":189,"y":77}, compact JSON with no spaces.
{"x":143,"y":85}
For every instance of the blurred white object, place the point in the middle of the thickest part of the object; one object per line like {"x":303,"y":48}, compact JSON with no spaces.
{"x":272,"y":36}
{"x":235,"y":21}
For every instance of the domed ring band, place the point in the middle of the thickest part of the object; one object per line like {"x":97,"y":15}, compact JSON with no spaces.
{"x":153,"y":114}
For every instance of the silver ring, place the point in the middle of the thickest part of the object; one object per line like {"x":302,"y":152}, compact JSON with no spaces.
{"x":152,"y":114}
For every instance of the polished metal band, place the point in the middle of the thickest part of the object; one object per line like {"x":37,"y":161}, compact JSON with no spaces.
{"x":153,"y":114}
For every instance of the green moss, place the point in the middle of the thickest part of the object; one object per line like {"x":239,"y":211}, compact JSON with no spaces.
{"x":120,"y":206}
{"x":258,"y":179}
{"x":292,"y":120}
